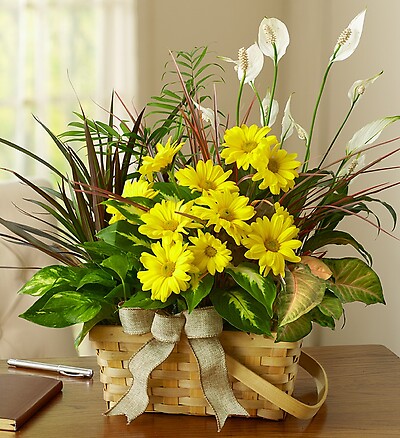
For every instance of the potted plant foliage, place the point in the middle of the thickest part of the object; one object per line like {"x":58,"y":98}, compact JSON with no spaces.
{"x":204,"y":211}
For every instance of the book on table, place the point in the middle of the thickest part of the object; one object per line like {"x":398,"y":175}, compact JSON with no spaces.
{"x":21,"y":396}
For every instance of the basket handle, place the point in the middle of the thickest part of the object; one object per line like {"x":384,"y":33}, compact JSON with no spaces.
{"x":278,"y":397}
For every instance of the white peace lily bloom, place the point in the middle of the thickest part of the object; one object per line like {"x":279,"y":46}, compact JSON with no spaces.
{"x":287,"y":121}
{"x":288,"y":124}
{"x":301,"y":132}
{"x":359,"y":87}
{"x":274,"y":109}
{"x":369,"y":133}
{"x":250,"y":63}
{"x":272,"y":31}
{"x":207,"y":114}
{"x":348,"y":40}
{"x":352,"y":165}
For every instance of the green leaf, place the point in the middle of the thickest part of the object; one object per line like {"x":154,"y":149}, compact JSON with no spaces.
{"x":331,"y":306}
{"x":295,"y":330}
{"x":48,"y":278}
{"x":122,"y":234}
{"x":321,"y":319}
{"x":143,"y":300}
{"x":323,"y":238}
{"x":97,"y":276}
{"x":64,"y":309}
{"x":355,"y":281}
{"x":193,"y":296}
{"x":261,"y":288}
{"x":303,"y":292}
{"x":241,"y":310}
{"x":119,"y":264}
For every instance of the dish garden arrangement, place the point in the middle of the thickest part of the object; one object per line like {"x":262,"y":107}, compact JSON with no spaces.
{"x":205,"y":236}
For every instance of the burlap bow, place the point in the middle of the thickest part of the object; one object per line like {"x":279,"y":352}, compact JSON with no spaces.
{"x":202,"y":328}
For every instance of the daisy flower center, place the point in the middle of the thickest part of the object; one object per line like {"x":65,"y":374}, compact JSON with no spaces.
{"x":273,"y":166}
{"x":226,"y":214}
{"x":271,"y":245}
{"x":168,"y":268}
{"x":249,"y":146}
{"x":209,"y":185}
{"x":210,"y":251}
{"x":171,"y":224}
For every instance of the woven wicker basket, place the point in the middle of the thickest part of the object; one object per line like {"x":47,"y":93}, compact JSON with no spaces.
{"x":174,"y":386}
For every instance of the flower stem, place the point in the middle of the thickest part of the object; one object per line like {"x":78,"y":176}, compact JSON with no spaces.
{"x":337,"y":134}
{"x":239,"y":99}
{"x":273,"y":85}
{"x":259,"y":101}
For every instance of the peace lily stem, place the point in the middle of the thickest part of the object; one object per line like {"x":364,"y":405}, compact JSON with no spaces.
{"x":239,"y":99}
{"x":273,"y":84}
{"x":337,"y":134}
{"x":308,"y":144}
{"x":259,"y":100}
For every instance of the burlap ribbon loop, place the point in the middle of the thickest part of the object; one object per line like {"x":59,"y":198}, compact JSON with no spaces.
{"x":202,"y":328}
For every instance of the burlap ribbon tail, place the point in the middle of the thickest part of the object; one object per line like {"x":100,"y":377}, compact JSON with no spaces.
{"x":202,"y":327}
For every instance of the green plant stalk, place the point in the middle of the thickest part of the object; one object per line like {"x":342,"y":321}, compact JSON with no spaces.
{"x":337,"y":134}
{"x":239,"y":99}
{"x":273,"y":85}
{"x":259,"y":100}
{"x":308,"y":144}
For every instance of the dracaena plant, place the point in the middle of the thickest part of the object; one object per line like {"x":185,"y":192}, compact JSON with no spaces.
{"x":192,"y":211}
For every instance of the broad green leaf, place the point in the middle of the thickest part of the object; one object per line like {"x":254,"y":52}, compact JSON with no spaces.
{"x":369,"y":133}
{"x":64,"y":309}
{"x":303,"y":292}
{"x":355,"y":281}
{"x":107,"y":311}
{"x":261,"y":288}
{"x":331,"y":306}
{"x":321,"y":319}
{"x":323,"y":238}
{"x":97,"y":276}
{"x":296,"y":330}
{"x":49,"y":277}
{"x":119,"y":264}
{"x":143,"y":300}
{"x":241,"y":310}
{"x":194,"y":295}
{"x":122,"y":234}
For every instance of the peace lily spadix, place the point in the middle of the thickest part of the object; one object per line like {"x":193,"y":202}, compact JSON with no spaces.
{"x":349,"y":38}
{"x":288,"y":125}
{"x":358,"y":88}
{"x":249,"y":64}
{"x":273,"y":38}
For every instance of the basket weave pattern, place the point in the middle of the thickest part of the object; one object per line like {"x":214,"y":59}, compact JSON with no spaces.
{"x":174,"y":386}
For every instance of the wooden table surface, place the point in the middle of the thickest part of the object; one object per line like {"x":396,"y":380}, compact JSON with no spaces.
{"x":363,"y":401}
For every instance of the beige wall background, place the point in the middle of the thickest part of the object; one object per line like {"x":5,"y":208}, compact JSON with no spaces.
{"x":314,"y":26}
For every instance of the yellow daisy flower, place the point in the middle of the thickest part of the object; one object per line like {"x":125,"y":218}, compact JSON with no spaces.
{"x":167,"y":269}
{"x":205,"y":177}
{"x":161,"y":160}
{"x":210,"y":254}
{"x":131,"y":189}
{"x":277,"y":169}
{"x":279,"y":209}
{"x":271,"y":242}
{"x":165,"y":220}
{"x":225,"y":210}
{"x":241,"y":144}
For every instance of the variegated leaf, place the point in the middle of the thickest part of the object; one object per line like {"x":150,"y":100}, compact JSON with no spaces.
{"x":303,"y":292}
{"x":261,"y":288}
{"x":241,"y":310}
